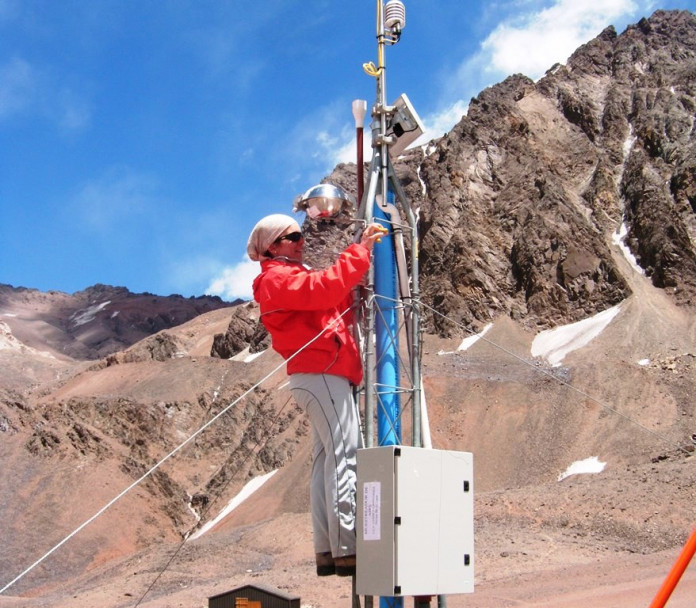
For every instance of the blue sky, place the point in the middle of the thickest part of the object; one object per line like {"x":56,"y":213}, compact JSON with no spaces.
{"x":141,"y":140}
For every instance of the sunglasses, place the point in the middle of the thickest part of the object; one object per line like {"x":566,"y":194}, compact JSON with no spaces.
{"x":293,"y":237}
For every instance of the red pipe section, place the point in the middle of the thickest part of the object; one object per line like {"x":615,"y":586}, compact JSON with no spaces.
{"x":676,"y":573}
{"x":361,"y":179}
{"x":359,"y":108}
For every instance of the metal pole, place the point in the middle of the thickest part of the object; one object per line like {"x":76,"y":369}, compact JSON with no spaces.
{"x":414,"y":322}
{"x":382,"y":186}
{"x":384,"y":166}
{"x":366,"y":214}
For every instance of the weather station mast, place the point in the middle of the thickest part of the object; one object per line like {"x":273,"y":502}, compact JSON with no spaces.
{"x":414,"y":522}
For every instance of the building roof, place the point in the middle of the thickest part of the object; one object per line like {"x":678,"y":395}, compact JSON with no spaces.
{"x":260,"y":587}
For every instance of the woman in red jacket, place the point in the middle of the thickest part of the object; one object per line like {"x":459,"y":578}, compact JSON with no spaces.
{"x":308,"y":315}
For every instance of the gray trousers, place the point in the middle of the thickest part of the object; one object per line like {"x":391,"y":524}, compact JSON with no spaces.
{"x":328,"y":401}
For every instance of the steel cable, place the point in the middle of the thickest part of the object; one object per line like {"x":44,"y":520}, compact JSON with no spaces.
{"x":170,"y":455}
{"x":547,"y":373}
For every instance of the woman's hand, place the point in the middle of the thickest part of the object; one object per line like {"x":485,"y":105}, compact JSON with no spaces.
{"x":372,"y":233}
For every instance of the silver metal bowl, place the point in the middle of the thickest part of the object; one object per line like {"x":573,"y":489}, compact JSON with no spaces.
{"x":324,"y":201}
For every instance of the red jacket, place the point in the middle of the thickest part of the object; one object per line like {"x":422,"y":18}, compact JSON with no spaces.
{"x":297,"y":304}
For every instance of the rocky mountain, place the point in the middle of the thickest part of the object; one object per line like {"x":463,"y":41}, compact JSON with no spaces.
{"x":96,"y":322}
{"x":523,"y":202}
{"x":549,"y":202}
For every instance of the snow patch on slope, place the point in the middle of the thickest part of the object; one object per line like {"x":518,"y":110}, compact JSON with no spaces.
{"x":247,"y":491}
{"x":619,"y":239}
{"x":554,"y":344}
{"x":580,"y":467}
{"x":87,"y":314}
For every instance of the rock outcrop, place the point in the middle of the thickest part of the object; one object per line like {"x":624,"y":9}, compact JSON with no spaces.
{"x":243,"y":331}
{"x":520,"y":208}
{"x":521,"y":204}
{"x":98,"y":321}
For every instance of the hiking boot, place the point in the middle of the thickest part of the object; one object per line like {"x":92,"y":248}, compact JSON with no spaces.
{"x":325,"y":564}
{"x":345,"y":566}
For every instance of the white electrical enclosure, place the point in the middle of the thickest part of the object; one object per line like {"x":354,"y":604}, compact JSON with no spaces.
{"x":415,"y":522}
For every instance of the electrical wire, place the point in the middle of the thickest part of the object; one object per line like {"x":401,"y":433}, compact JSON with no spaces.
{"x":371,"y":69}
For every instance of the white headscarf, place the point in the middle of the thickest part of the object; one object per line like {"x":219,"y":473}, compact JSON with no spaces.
{"x":265,"y":232}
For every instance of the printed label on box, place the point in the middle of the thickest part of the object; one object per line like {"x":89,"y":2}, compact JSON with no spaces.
{"x":371,"y":510}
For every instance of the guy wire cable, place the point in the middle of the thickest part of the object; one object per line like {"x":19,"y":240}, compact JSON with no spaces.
{"x":172,"y":453}
{"x":564,"y":383}
{"x":209,"y":506}
{"x":273,"y":372}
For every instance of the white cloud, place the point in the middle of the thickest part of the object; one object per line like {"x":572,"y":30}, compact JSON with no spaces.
{"x":319,"y":141}
{"x":186,"y":271}
{"x":24,"y":89}
{"x":533,"y":42}
{"x":118,"y":195}
{"x":528,"y":43}
{"x":327,"y":144}
{"x":439,"y":123}
{"x":235,"y":281}
{"x":18,"y":82}
{"x":72,"y":111}
{"x":340,"y":146}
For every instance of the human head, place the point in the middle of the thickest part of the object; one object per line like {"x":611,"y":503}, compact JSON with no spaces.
{"x":265,"y":232}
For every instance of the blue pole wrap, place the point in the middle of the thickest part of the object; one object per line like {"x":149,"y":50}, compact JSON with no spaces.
{"x":386,"y":347}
